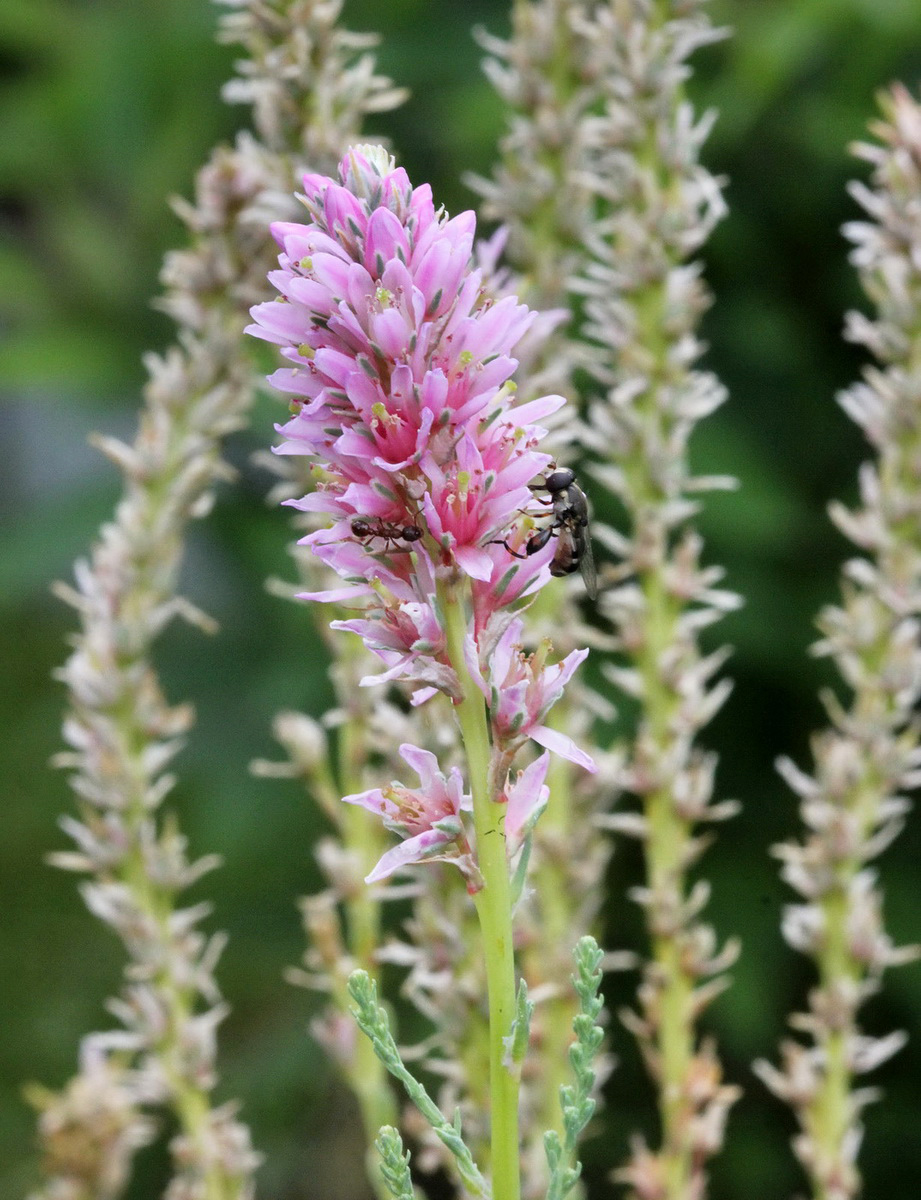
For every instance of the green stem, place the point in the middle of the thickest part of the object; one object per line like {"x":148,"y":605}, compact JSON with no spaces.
{"x":547,"y":230}
{"x":829,"y":1114}
{"x":665,"y":851}
{"x":830,"y":1109}
{"x":493,"y":905}
{"x":667,"y":834}
{"x":365,"y":1074}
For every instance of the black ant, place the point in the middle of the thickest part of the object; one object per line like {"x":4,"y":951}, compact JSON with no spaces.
{"x":366,"y":528}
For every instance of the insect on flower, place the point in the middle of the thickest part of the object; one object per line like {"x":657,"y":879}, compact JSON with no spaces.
{"x":366,"y":528}
{"x":570,"y":528}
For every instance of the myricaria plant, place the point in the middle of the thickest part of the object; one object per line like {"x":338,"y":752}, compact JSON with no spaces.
{"x":400,"y":375}
{"x":854,"y":803}
{"x":547,"y":74}
{"x":404,"y":396}
{"x":606,"y":198}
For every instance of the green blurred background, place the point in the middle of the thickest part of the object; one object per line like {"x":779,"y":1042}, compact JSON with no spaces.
{"x":108,"y":107}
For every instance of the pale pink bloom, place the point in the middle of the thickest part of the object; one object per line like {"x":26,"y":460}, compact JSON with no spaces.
{"x":426,"y":817}
{"x":525,"y":800}
{"x":400,"y":372}
{"x":520,"y":690}
{"x":410,"y":641}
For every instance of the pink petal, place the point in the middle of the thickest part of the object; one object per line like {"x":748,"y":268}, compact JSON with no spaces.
{"x":472,"y":662}
{"x":475,"y":561}
{"x":385,"y":239}
{"x":422,"y":846}
{"x":562,"y":745}
{"x":373,"y":800}
{"x":337,"y":595}
{"x":526,"y":799}
{"x":535,"y":410}
{"x":423,"y":762}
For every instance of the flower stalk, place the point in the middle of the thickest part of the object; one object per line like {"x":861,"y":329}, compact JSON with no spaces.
{"x":644,"y":299}
{"x":400,"y":373}
{"x":546,"y":74}
{"x":122,"y":734}
{"x":343,"y":923}
{"x":539,"y":192}
{"x":853,"y":805}
{"x":493,"y":906}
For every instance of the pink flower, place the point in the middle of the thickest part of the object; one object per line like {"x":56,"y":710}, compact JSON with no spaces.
{"x":525,"y":800}
{"x":520,"y":690}
{"x":427,"y":817}
{"x":400,"y":374}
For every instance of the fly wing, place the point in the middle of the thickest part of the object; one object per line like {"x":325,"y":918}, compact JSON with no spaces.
{"x":568,"y":552}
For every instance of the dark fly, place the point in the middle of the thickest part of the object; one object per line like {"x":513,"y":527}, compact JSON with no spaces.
{"x":569,"y":526}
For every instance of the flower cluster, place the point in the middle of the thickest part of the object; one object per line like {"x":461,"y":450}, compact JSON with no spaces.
{"x":427,"y":817}
{"x":398,"y":360}
{"x":400,"y":375}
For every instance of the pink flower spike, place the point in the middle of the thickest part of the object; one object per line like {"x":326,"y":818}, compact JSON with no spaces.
{"x":398,"y":363}
{"x":526,"y":799}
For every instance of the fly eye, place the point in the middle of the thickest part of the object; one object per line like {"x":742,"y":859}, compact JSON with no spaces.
{"x":560,"y":480}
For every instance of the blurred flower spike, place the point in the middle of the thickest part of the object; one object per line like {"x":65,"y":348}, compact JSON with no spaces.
{"x":400,"y":375}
